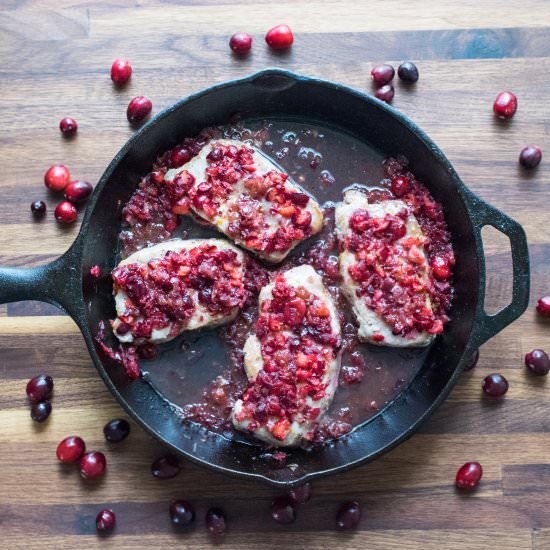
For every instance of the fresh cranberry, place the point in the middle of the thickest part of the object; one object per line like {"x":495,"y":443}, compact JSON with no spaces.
{"x":215,"y":522}
{"x":40,"y":387}
{"x":495,"y":385}
{"x":440,"y":268}
{"x":179,"y":156}
{"x":41,"y":410}
{"x":543,"y":306}
{"x":279,"y":37}
{"x":408,"y":72}
{"x":469,"y":475}
{"x":92,"y":465}
{"x":121,"y":71}
{"x":139,"y":109}
{"x":505,"y":105}
{"x":105,"y":521}
{"x":57,"y":177}
{"x":65,"y":212}
{"x":283,"y":511}
{"x":165,"y":467}
{"x":400,"y":185}
{"x":348,"y":515}
{"x":240,"y":42}
{"x":38,"y":209}
{"x":382,"y":74}
{"x":68,"y":126}
{"x":182,"y":513}
{"x":472,"y":362}
{"x":116,"y":430}
{"x":530,"y":156}
{"x":300,"y":494}
{"x":70,"y":449}
{"x":78,"y":191}
{"x":385,"y":93}
{"x":538,"y":362}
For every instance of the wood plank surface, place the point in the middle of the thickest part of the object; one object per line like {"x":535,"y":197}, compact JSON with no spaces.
{"x":54,"y":61}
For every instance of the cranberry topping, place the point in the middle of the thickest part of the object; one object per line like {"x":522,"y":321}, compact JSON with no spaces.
{"x":538,"y":362}
{"x":348,"y":516}
{"x":38,"y":209}
{"x":215,"y":522}
{"x":300,"y":494}
{"x":505,"y":105}
{"x":65,"y":212}
{"x":78,"y":191}
{"x":41,"y":411}
{"x":138,"y":109}
{"x":116,"y":430}
{"x":121,"y":71}
{"x":543,"y":306}
{"x":495,"y":385}
{"x":469,"y":475}
{"x":382,"y":74}
{"x":57,"y":177}
{"x":92,"y":465}
{"x":440,"y":268}
{"x":408,"y":72}
{"x":182,"y":513}
{"x":400,"y":185}
{"x":279,"y":37}
{"x":105,"y":521}
{"x":166,"y":467}
{"x":68,"y":126}
{"x":353,"y":374}
{"x":283,"y":511}
{"x":180,"y":156}
{"x":530,"y":156}
{"x":39,"y":388}
{"x":385,"y":93}
{"x":70,"y":449}
{"x":240,"y":42}
{"x":95,"y":271}
{"x":472,"y":362}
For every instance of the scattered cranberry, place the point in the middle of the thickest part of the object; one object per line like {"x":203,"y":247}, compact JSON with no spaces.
{"x":78,"y":191}
{"x":505,"y":105}
{"x":57,"y":177}
{"x":408,"y":72}
{"x":543,"y":306}
{"x":38,"y":209}
{"x":70,"y":449}
{"x":283,"y":511}
{"x":472,"y":362}
{"x":530,"y":156}
{"x":138,"y":109}
{"x":65,"y":212}
{"x":382,"y":74}
{"x":39,"y":388}
{"x":279,"y":37}
{"x":116,"y":430}
{"x":95,"y":271}
{"x":301,"y":494}
{"x":348,"y":516}
{"x":92,"y":465}
{"x":215,"y":522}
{"x":182,"y":513}
{"x":179,"y":156}
{"x":121,"y":71}
{"x":165,"y":467}
{"x":400,"y":185}
{"x":468,"y":475}
{"x":538,"y":362}
{"x":385,"y":93}
{"x":240,"y":42}
{"x":105,"y":521}
{"x":440,"y":268}
{"x":41,"y":410}
{"x":68,"y":126}
{"x":495,"y":385}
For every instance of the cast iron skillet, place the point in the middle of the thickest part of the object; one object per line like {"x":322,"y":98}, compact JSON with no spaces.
{"x":66,"y":283}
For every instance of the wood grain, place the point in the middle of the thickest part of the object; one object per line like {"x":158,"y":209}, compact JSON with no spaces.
{"x":54,"y":61}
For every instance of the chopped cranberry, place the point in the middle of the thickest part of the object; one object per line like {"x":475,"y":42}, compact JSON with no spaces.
{"x":283,"y":511}
{"x":70,"y":449}
{"x":505,"y":105}
{"x":139,"y":109}
{"x":116,"y":430}
{"x":41,"y":411}
{"x":543,"y":306}
{"x":182,"y":513}
{"x":68,"y":126}
{"x":530,"y":156}
{"x":38,"y":209}
{"x":105,"y":521}
{"x":385,"y":93}
{"x":95,"y":271}
{"x":78,"y":191}
{"x":348,"y":515}
{"x":65,"y":212}
{"x":240,"y":42}
{"x":121,"y":71}
{"x":215,"y":522}
{"x":92,"y":465}
{"x":300,"y":494}
{"x":469,"y":475}
{"x":440,"y":268}
{"x":180,"y":156}
{"x":166,"y":467}
{"x":279,"y":37}
{"x":57,"y":177}
{"x":495,"y":385}
{"x":400,"y":185}
{"x":39,"y":388}
{"x":408,"y":72}
{"x":472,"y":362}
{"x":382,"y":74}
{"x":538,"y":362}
{"x":301,"y":218}
{"x":294,"y":311}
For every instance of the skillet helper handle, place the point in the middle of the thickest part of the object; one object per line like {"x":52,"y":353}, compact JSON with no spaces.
{"x":482,"y":214}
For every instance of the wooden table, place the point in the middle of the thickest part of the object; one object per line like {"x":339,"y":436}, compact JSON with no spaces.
{"x":54,"y":61}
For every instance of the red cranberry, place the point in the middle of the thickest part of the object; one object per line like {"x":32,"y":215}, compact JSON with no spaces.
{"x":95,"y":271}
{"x":505,"y":105}
{"x":65,"y":212}
{"x":240,"y":42}
{"x":70,"y":449}
{"x":57,"y":177}
{"x":121,"y":71}
{"x":400,"y":185}
{"x":78,"y":191}
{"x":294,"y":311}
{"x":302,"y":218}
{"x":105,"y":521}
{"x":385,"y":93}
{"x":92,"y":465}
{"x":41,"y":410}
{"x":530,"y":156}
{"x":495,"y":385}
{"x":282,"y":510}
{"x":468,"y":475}
{"x":543,"y":306}
{"x":165,"y":467}
{"x":382,"y":74}
{"x":40,"y":387}
{"x":538,"y":362}
{"x":38,"y":209}
{"x":215,"y":522}
{"x":472,"y":362}
{"x":408,"y":72}
{"x":348,"y":516}
{"x":116,"y":430}
{"x":138,"y":109}
{"x":301,"y":494}
{"x":179,"y":156}
{"x":440,"y":268}
{"x":68,"y":126}
{"x":182,"y":513}
{"x":279,"y":37}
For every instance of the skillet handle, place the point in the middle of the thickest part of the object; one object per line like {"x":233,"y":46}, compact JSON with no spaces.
{"x":482,"y":214}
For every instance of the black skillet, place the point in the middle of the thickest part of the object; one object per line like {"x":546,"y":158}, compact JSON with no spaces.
{"x":66,"y":283}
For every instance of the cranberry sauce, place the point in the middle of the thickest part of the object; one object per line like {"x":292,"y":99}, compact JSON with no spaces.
{"x":201,"y":372}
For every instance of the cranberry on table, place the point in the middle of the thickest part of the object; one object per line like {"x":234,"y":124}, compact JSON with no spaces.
{"x":400,"y":185}
{"x":105,"y":521}
{"x":166,"y":467}
{"x":92,"y":465}
{"x":240,"y":42}
{"x":472,"y":362}
{"x":121,"y":71}
{"x":408,"y":72}
{"x":40,"y":387}
{"x":348,"y":515}
{"x":283,"y":511}
{"x":385,"y":93}
{"x":68,"y":126}
{"x":139,"y":109}
{"x":530,"y":156}
{"x":382,"y":74}
{"x":41,"y":410}
{"x":179,"y":156}
{"x":279,"y":37}
{"x":538,"y":362}
{"x":70,"y":449}
{"x":469,"y":475}
{"x":505,"y":105}
{"x":215,"y":522}
{"x":495,"y":385}
{"x":38,"y":209}
{"x":300,"y":494}
{"x":57,"y":177}
{"x":65,"y":212}
{"x":78,"y":191}
{"x":182,"y":513}
{"x":543,"y":306}
{"x":116,"y":430}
